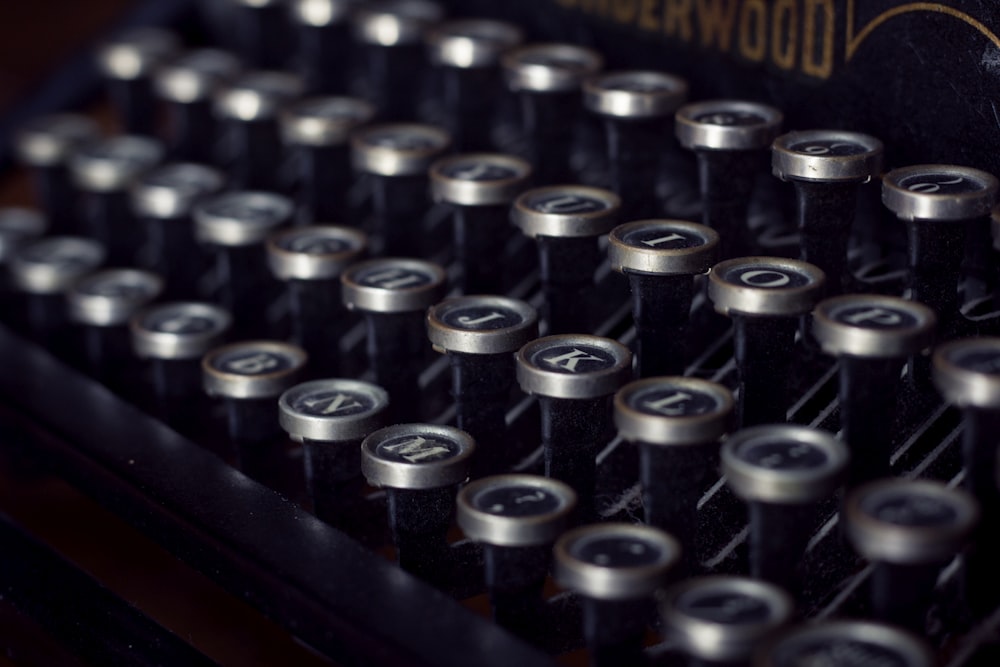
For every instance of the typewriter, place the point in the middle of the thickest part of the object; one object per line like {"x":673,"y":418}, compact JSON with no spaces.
{"x":609,"y":332}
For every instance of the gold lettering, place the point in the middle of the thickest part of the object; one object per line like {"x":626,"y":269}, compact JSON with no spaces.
{"x":753,"y":30}
{"x":715,"y":19}
{"x":818,"y":64}
{"x":783,"y":44}
{"x":677,"y":18}
{"x":648,"y":19}
{"x":624,"y":11}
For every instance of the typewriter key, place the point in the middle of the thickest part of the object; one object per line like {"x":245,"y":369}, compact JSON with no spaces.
{"x":317,"y":129}
{"x":677,"y":423}
{"x":660,"y":259}
{"x":322,"y":31}
{"x":516,"y":518}
{"x":720,"y":621}
{"x":261,"y":32}
{"x":18,"y":226}
{"x":103,"y":303}
{"x":548,"y":79}
{"x":164,"y":199}
{"x":480,"y":335}
{"x":391,"y":33}
{"x":44,"y":145}
{"x":729,"y":138}
{"x":309,"y":260}
{"x":764,"y":297}
{"x":186,"y":86}
{"x":616,"y":569}
{"x":235,"y":226}
{"x":331,"y":417}
{"x":247,"y":108}
{"x":393,"y":294}
{"x":638,"y":109}
{"x":420,"y":466}
{"x":566,"y":221}
{"x":910,"y":529}
{"x":397,"y":158}
{"x":479,"y":187}
{"x":104,"y":171}
{"x":781,"y":472}
{"x":467,"y":54}
{"x":127,"y":63}
{"x":940,"y":204}
{"x":871,"y":336}
{"x":846,"y":644}
{"x":574,"y":378}
{"x":826,"y":167}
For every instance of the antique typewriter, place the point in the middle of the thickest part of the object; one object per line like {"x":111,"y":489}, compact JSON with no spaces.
{"x":422,"y":332}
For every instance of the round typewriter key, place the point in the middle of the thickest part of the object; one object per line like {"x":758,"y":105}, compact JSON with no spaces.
{"x":104,"y":171}
{"x":548,"y":79}
{"x":420,"y":466}
{"x":846,"y":644}
{"x":677,"y":423}
{"x":127,"y":63}
{"x":331,"y":417}
{"x":479,"y":187}
{"x":249,"y":376}
{"x":318,"y":129}
{"x":781,"y":471}
{"x":480,"y":335}
{"x":18,"y":226}
{"x":164,"y":199}
{"x":660,"y":259}
{"x":235,"y":226}
{"x":941,"y":205}
{"x":574,"y":378}
{"x":638,"y":109}
{"x":397,"y":157}
{"x":44,"y":145}
{"x":616,"y":569}
{"x":764,"y":297}
{"x":721,"y":620}
{"x":322,"y":31}
{"x":516,"y":519}
{"x":309,"y":260}
{"x":467,"y":56}
{"x":247,"y":109}
{"x":393,"y":294}
{"x":103,"y":303}
{"x":566,"y":221}
{"x":261,"y":32}
{"x":391,"y":33}
{"x":871,"y":336}
{"x":826,"y":168}
{"x":729,"y":138}
{"x":910,"y":529}
{"x":186,"y":86}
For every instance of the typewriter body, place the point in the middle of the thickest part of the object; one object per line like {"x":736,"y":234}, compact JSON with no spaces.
{"x":132,"y":534}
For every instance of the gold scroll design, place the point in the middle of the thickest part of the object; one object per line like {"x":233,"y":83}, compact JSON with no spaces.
{"x":854,"y":40}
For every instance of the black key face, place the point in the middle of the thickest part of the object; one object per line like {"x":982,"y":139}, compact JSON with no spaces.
{"x":340,"y":109}
{"x":573,"y":359}
{"x":663,"y":238}
{"x":616,"y":551}
{"x":62,"y":126}
{"x":186,"y":178}
{"x":333,"y":403}
{"x":981,"y":360}
{"x":566,"y":203}
{"x":724,"y":607}
{"x":766,"y":277}
{"x":19,"y":223}
{"x":118,"y":288}
{"x":637,"y":83}
{"x":517,"y":501}
{"x":482,"y":318}
{"x":559,"y":61}
{"x":941,"y":184}
{"x":782,"y":454}
{"x":252,"y":362}
{"x":126,"y":153}
{"x":313,"y":243}
{"x":829,"y":148}
{"x":480,"y":31}
{"x":836,"y":653}
{"x":208,"y":62}
{"x":878,"y":317}
{"x":479,"y":170}
{"x":251,"y":211}
{"x":673,"y":401}
{"x":404,"y":140}
{"x":417,"y":449}
{"x":904,"y":508}
{"x":180,"y":323}
{"x":394,"y":278}
{"x":63,"y":255}
{"x":731,"y":118}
